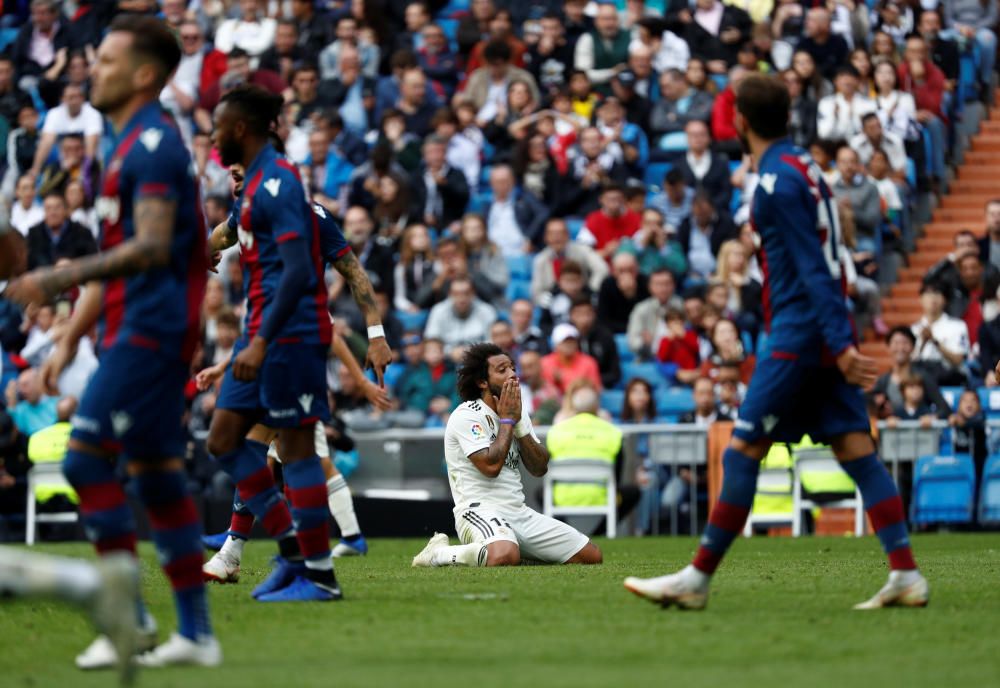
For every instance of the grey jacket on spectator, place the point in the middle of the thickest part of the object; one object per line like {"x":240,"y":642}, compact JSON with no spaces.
{"x":865,"y":201}
{"x":648,"y":316}
{"x":543,"y":273}
{"x":477,"y":88}
{"x":982,"y":15}
{"x":445,"y":325}
{"x":666,"y":118}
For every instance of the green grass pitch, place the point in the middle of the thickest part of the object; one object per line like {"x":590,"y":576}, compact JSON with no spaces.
{"x":780,"y":615}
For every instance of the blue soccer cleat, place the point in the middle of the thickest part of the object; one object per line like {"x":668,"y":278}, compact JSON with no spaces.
{"x":282,"y":575}
{"x":304,"y":590}
{"x":355,"y":547}
{"x":215,"y":542}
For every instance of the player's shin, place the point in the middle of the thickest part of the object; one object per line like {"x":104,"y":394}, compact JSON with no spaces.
{"x":884,"y":507}
{"x":176,"y":530}
{"x":730,"y":513}
{"x":305,"y":483}
{"x":247,"y":466}
{"x":342,"y":507}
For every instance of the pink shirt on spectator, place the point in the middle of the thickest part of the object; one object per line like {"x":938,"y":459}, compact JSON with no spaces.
{"x":560,"y":375}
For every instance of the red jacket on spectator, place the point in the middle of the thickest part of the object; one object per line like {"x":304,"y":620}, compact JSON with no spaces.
{"x":213,"y":66}
{"x":723,"y":112}
{"x":929,"y":93}
{"x":606,"y":229}
{"x":683,"y":351}
{"x":517,"y":51}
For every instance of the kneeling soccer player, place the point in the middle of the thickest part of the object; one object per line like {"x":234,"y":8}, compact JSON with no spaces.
{"x":486,"y":441}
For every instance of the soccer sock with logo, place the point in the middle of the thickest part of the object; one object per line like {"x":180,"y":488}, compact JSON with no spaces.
{"x":473,"y":554}
{"x":247,"y":466}
{"x":884,"y":507}
{"x":176,"y":528}
{"x":305,"y":484}
{"x":739,"y":484}
{"x":107,"y":518}
{"x":241,"y":522}
{"x":338,"y":496}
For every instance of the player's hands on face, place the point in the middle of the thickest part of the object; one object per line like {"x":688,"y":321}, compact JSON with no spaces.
{"x":857,"y":369}
{"x":377,"y":396}
{"x":509,"y":405}
{"x":378,"y":358}
{"x":247,"y":363}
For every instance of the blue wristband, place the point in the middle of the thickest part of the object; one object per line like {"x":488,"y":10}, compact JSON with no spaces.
{"x":507,"y":421}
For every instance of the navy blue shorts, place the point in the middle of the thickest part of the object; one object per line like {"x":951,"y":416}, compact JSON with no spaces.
{"x":134,"y":404}
{"x":289,"y":391}
{"x":788,"y":399}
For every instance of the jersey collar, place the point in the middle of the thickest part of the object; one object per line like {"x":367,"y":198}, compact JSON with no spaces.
{"x":779,"y":147}
{"x":266,"y":155}
{"x":140,"y":115}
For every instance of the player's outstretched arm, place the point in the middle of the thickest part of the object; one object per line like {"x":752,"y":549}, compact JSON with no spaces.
{"x":350,"y":268}
{"x":147,"y":250}
{"x":222,"y":237}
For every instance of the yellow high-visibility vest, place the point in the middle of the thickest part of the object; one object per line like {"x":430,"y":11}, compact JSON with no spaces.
{"x":584,"y":436}
{"x":48,"y":445}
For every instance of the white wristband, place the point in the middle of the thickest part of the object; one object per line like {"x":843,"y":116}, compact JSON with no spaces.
{"x":522,"y":428}
{"x":376,"y":331}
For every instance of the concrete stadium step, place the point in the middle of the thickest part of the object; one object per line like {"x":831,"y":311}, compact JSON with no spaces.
{"x":968,"y":173}
{"x":967,"y":186}
{"x":936,"y":243}
{"x":986,"y":142}
{"x":978,"y":158}
{"x":969,"y":202}
{"x":904,"y":290}
{"x":959,"y":215}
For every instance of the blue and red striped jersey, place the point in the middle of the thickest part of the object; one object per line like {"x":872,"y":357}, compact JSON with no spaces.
{"x":161,"y":308}
{"x":332,"y":244}
{"x":794,"y":216}
{"x":274,"y":208}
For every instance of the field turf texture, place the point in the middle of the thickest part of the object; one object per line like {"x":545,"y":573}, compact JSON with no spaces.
{"x":780,"y":615}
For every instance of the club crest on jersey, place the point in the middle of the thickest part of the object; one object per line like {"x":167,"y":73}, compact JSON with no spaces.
{"x":477,"y":431}
{"x":767,"y":182}
{"x":272,"y":186}
{"x":151,"y":139}
{"x":108,"y":208}
{"x":120,"y":422}
{"x":306,"y":402}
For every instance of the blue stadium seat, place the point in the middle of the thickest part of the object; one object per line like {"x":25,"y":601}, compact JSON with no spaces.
{"x":484,"y":177}
{"x":655,"y":172}
{"x":952,"y":395}
{"x":989,"y":397}
{"x":413,"y":321}
{"x":646,"y":371}
{"x":393,"y":372}
{"x":7,"y":37}
{"x":519,"y":267}
{"x":943,"y":488}
{"x":450,"y":28}
{"x":625,"y":354}
{"x":453,"y":7}
{"x":989,"y":491}
{"x":518,"y":289}
{"x":574,"y":225}
{"x":612,"y":401}
{"x":674,"y":401}
{"x":479,"y":201}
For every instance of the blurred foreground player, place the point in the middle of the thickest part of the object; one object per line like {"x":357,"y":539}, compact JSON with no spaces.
{"x":146,"y":287}
{"x":487,"y":439}
{"x":811,"y":380}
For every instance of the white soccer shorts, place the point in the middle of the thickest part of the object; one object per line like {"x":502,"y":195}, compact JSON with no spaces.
{"x":538,"y":536}
{"x":319,"y":438}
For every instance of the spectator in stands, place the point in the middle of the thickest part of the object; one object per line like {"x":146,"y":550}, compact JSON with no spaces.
{"x":376,"y":256}
{"x":238,"y":72}
{"x":43,"y":42}
{"x":567,"y":363}
{"x":429,"y":385}
{"x":976,"y":21}
{"x":815,"y":86}
{"x":624,"y":139}
{"x":28,"y":405}
{"x":12,"y":98}
{"x":604,"y":51}
{"x":22,"y":143}
{"x":989,"y":244}
{"x":679,"y":347}
{"x":802,"y":120}
{"x":727,"y":349}
{"x":326,"y":173}
{"x":461,"y":318}
{"x":414,"y":269}
{"x":500,"y":29}
{"x":534,"y":167}
{"x":874,"y":138}
{"x":592,"y":167}
{"x":706,"y":406}
{"x":305,"y":101}
{"x":464,"y":151}
{"x":743,"y":294}
{"x":14,"y":467}
{"x":922,"y":78}
{"x":527,"y":336}
{"x":540,"y":397}
{"x":80,"y":208}
{"x":354,"y":94}
{"x":486,"y":86}
{"x":702,"y":235}
{"x":555,"y":304}
{"x":828,"y":50}
{"x":596,"y":340}
{"x":413,"y":103}
{"x":57,"y":237}
{"x":451,"y":264}
{"x":220,"y":346}
{"x":942,"y":341}
{"x":646,"y":322}
{"x":252,"y":32}
{"x":678,"y":105}
{"x":655,"y":245}
{"x":621,"y":292}
{"x":441,"y":194}
{"x":857,"y":193}
{"x":946,"y":272}
{"x":559,"y":249}
{"x":887,"y":392}
{"x":716,"y":33}
{"x":723,"y":112}
{"x":73,"y":116}
{"x":72,"y":165}
{"x":515,"y":219}
{"x":393,"y":210}
{"x":675,"y":200}
{"x":966,"y":303}
{"x":26,"y":211}
{"x":839,"y":115}
{"x":505,"y":126}
{"x":969,"y":430}
{"x":550,"y":60}
{"x":897,"y":111}
{"x":914,"y":406}
{"x":703,"y":169}
{"x":944,"y":51}
{"x":313,"y":28}
{"x":605,"y":228}
{"x":283,"y":56}
{"x":484,"y":258}
{"x":348,"y":35}
{"x":437,"y":61}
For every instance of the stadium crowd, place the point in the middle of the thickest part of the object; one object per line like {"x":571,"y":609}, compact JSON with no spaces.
{"x":558,"y":176}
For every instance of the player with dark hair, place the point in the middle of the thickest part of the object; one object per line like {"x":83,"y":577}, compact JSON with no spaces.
{"x":811,"y":380}
{"x":278,"y":371}
{"x":146,"y":287}
{"x":487,"y":438}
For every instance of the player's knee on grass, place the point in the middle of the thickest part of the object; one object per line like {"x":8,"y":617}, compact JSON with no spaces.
{"x":590,"y":554}
{"x":503,"y":553}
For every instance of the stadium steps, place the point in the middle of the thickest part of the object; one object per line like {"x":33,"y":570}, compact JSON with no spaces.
{"x":977,"y":180}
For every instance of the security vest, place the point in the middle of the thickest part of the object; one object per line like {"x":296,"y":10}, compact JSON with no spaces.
{"x":824,"y":481}
{"x":584,"y":436}
{"x":48,"y":445}
{"x":774,"y":500}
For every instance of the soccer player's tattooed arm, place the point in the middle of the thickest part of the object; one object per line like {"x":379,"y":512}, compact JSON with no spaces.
{"x":534,"y":455}
{"x":490,"y":461}
{"x":147,"y":250}
{"x":350,"y":268}
{"x":223,"y":237}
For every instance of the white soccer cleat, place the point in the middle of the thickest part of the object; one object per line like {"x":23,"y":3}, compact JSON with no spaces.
{"x":221,"y":569}
{"x":437,"y":541}
{"x":113,"y":610}
{"x":181,"y":651}
{"x":685,"y":589}
{"x":102,"y":653}
{"x":904,"y":589}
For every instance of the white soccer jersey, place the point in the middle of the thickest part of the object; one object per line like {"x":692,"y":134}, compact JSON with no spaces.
{"x":472,"y":427}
